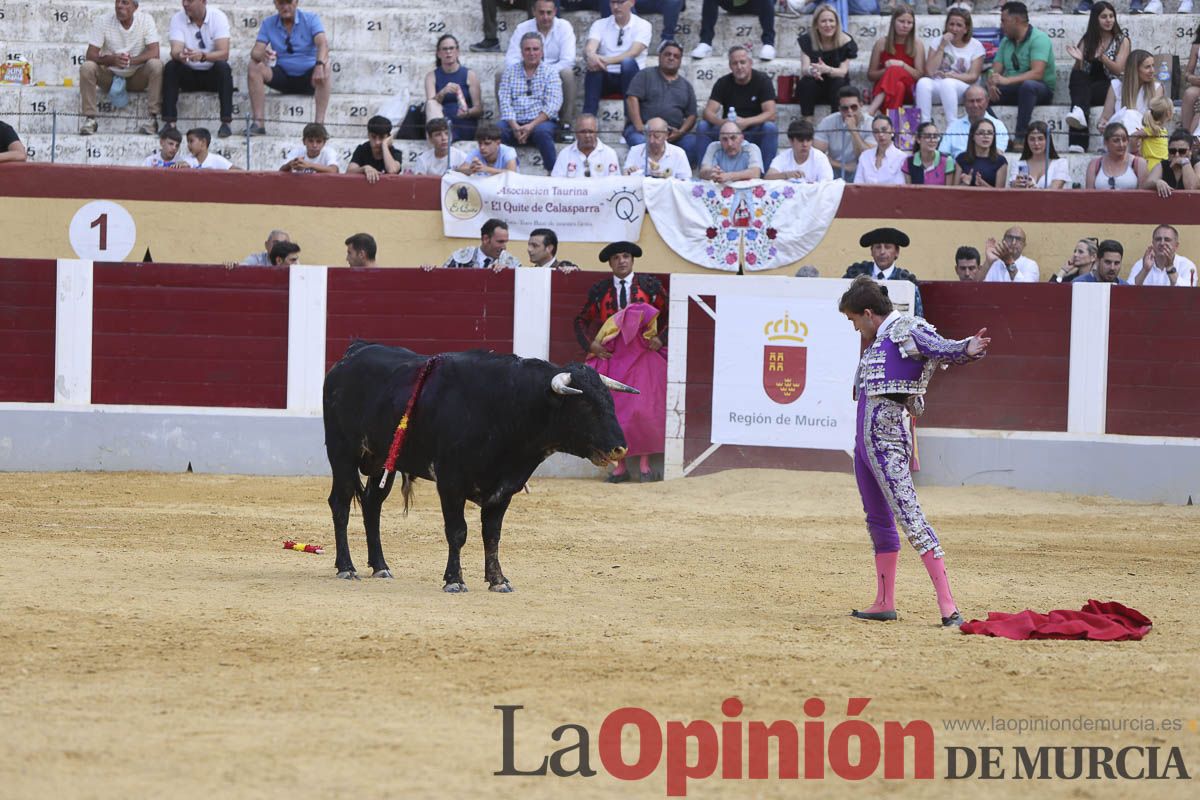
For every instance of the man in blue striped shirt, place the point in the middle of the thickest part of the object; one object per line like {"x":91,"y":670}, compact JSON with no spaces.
{"x":530,"y":96}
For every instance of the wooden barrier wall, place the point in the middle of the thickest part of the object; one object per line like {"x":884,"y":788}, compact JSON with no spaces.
{"x":27,"y":318}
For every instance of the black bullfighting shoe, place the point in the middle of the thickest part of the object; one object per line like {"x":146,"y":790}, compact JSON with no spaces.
{"x":953,"y":621}
{"x":879,"y":616}
{"x":615,"y":478}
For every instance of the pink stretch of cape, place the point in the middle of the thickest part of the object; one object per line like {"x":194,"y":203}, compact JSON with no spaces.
{"x":1106,"y":622}
{"x":643,"y":417}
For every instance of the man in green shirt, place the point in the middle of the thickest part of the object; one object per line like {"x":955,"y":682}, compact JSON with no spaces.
{"x":1023,"y":73}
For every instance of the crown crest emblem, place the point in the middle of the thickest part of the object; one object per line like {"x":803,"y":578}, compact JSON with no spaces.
{"x":785,"y":329}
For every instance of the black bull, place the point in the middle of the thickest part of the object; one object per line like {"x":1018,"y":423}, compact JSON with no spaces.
{"x":481,"y":424}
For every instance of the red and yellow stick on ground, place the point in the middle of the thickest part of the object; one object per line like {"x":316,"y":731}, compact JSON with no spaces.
{"x":303,"y":548}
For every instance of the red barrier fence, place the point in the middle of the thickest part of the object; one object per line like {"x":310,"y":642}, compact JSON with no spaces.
{"x":27,"y":319}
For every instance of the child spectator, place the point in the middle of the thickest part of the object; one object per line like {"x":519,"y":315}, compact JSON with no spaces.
{"x":441,"y":157}
{"x":168,"y":156}
{"x":198,"y":141}
{"x":489,"y":157}
{"x":314,"y":155}
{"x":376,"y":156}
{"x":1152,"y":135}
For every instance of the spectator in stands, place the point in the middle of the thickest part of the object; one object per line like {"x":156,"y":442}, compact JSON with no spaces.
{"x":1023,"y":72}
{"x":731,"y":158}
{"x":199,"y":38}
{"x":982,"y":164}
{"x":664,"y":93}
{"x":669,"y":9}
{"x":376,"y":156}
{"x":764,"y":9}
{"x":588,"y":157}
{"x":530,"y":96}
{"x":1129,"y":98}
{"x":1040,"y":167}
{"x":1009,"y":262}
{"x":840,"y":135}
{"x":966,"y":264}
{"x":1191,"y":95}
{"x":746,"y":97}
{"x":285,"y":254}
{"x":168,"y":156}
{"x":440,"y":158}
{"x":11,"y":149}
{"x":883,"y":164}
{"x":615,"y":51}
{"x":897,"y":60}
{"x":558,"y":51}
{"x":1108,"y":264}
{"x":1177,"y":172}
{"x":1081,"y":262}
{"x":490,"y":254}
{"x":958,"y":133}
{"x":263,"y":259}
{"x":1150,"y":137}
{"x":954,"y":64}
{"x":297,"y":40}
{"x":314,"y":155}
{"x":1099,"y":58}
{"x":827,"y":52}
{"x":1161,"y":265}
{"x":543,"y":251}
{"x":808,"y":271}
{"x":198,"y":142}
{"x":452,"y":91}
{"x":1117,"y":168}
{"x":801,"y":161}
{"x":489,"y":157}
{"x":123,"y":45}
{"x":361,"y":250}
{"x":491,"y":24}
{"x":885,"y":244}
{"x":657,"y":157}
{"x":928,"y":166}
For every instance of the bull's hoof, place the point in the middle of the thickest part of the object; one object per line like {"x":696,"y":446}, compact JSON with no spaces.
{"x":348,"y":575}
{"x":382,"y":573}
{"x":504,"y":586}
{"x":455,"y":588}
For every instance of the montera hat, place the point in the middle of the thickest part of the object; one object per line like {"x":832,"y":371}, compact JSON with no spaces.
{"x":619,"y":247}
{"x":884,"y":236}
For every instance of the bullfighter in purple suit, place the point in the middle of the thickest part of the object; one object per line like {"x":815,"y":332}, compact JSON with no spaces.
{"x":901,"y":354}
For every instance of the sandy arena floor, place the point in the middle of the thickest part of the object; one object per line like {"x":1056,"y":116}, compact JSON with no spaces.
{"x":156,"y":641}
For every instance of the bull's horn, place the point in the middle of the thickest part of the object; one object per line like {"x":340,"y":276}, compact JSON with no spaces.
{"x":561,"y":384}
{"x":617,"y":386}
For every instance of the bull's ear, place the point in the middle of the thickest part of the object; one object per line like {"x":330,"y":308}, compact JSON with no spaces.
{"x":561,"y":384}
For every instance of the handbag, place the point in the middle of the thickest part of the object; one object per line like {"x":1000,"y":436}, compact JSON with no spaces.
{"x":905,"y":122}
{"x":413,"y":124}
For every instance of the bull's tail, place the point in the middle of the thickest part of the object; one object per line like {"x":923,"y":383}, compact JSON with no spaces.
{"x":407,"y":485}
{"x":359,"y":488}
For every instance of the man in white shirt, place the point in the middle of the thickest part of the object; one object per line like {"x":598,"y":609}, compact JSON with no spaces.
{"x":1009,"y":265}
{"x":975,"y":103}
{"x":657,"y":157}
{"x":558,"y":49}
{"x":198,"y":141}
{"x":801,"y":161}
{"x":543,"y":251}
{"x":588,"y":157}
{"x":123,"y":45}
{"x":1162,"y":265}
{"x":199,"y":62}
{"x":615,"y":51}
{"x":441,"y":157}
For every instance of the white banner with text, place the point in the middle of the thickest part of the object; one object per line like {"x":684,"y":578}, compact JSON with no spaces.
{"x":583,"y":210}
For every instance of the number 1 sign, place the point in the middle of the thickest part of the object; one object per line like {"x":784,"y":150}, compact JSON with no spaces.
{"x":102,"y":231}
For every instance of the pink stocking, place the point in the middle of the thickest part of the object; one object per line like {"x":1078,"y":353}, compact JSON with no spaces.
{"x":941,"y":583}
{"x":885,"y":583}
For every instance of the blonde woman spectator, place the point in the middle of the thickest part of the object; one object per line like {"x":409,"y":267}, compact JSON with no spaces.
{"x":897,"y":60}
{"x":825,"y":64}
{"x":981,"y":164}
{"x":1129,"y":96}
{"x":452,"y":91}
{"x":1040,"y":167}
{"x":1081,"y":262}
{"x":1117,"y":168}
{"x":1177,"y":172}
{"x":952,"y":67}
{"x":885,"y":163}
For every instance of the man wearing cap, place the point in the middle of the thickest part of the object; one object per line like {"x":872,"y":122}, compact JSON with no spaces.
{"x":885,"y":244}
{"x":606,"y":299}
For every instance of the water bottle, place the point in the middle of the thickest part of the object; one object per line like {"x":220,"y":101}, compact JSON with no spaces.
{"x":1164,"y":73}
{"x":732,"y":115}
